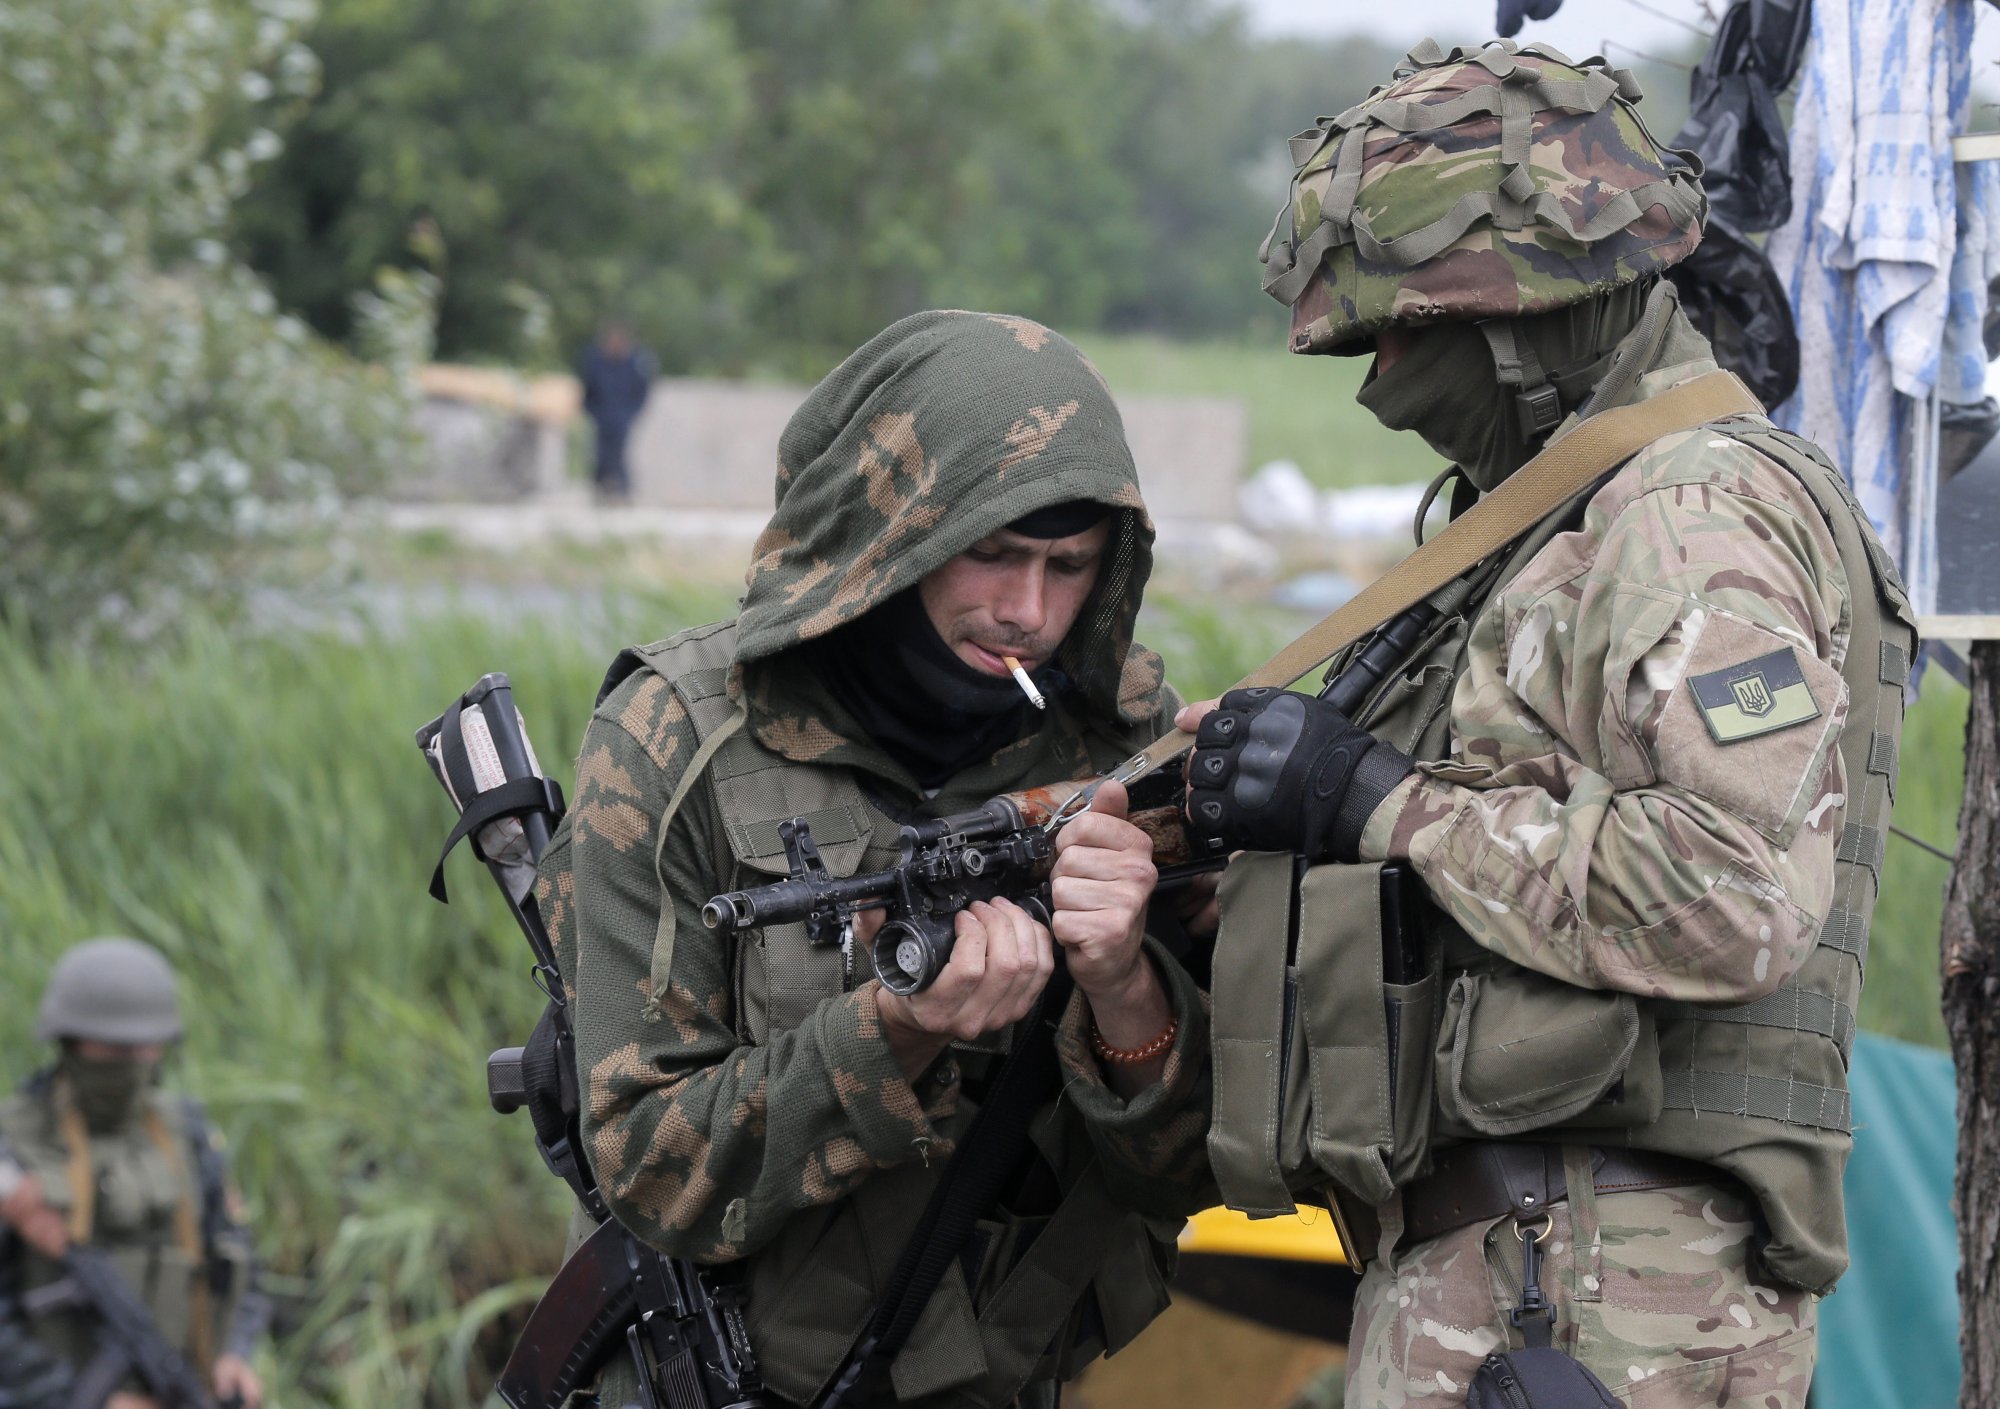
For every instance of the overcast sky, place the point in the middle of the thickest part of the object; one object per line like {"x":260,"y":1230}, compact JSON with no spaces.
{"x":1579,"y":28}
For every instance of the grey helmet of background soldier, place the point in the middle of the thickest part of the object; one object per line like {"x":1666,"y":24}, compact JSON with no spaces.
{"x":1522,"y":222}
{"x":117,"y":991}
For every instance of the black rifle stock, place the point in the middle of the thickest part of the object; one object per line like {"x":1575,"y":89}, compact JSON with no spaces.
{"x":681,"y":1325}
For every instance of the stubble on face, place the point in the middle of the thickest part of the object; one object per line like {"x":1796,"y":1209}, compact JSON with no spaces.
{"x":1012,"y":595}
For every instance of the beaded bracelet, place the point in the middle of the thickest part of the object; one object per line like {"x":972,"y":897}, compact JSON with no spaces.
{"x":1130,"y":1056}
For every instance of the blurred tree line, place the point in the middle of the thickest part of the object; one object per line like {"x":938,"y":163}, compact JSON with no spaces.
{"x":765,"y":183}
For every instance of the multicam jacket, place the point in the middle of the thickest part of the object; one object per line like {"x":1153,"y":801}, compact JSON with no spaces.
{"x":1596,"y":821}
{"x":716,"y":1141}
{"x":1671,"y":744}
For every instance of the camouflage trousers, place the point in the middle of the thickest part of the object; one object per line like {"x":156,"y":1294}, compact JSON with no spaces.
{"x":1653,"y":1291}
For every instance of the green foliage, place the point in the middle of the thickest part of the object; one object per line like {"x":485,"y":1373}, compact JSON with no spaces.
{"x":1903,"y":996}
{"x":267,"y":821}
{"x":768,"y":182}
{"x":574,"y":156}
{"x":160,"y":421}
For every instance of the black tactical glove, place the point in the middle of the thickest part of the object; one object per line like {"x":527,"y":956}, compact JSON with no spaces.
{"x":1273,"y":770}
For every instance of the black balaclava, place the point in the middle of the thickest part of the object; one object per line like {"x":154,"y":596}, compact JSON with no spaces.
{"x":1447,"y":387}
{"x":106,"y":1090}
{"x":929,"y":710}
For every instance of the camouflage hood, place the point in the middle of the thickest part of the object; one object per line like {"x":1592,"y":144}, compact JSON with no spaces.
{"x":945,"y":427}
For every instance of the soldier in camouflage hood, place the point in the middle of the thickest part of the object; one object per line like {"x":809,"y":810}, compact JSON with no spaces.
{"x":1641,"y":764}
{"x":958,"y":491}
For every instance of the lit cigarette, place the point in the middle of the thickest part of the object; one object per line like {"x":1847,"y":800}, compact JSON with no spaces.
{"x":1027,"y":685}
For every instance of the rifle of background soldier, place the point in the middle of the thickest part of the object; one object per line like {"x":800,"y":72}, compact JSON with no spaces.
{"x":1003,"y":849}
{"x":131,"y":1346}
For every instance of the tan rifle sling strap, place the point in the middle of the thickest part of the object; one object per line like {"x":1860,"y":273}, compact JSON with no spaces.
{"x":1564,"y":469}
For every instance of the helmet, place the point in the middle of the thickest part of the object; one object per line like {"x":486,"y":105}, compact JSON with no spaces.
{"x":1487,"y":183}
{"x":110,"y":990}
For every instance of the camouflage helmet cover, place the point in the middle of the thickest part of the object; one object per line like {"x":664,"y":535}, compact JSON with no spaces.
{"x":110,"y":990}
{"x":1488,"y":183}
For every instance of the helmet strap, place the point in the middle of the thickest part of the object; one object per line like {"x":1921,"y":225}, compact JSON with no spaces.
{"x":1536,"y":401}
{"x":1539,"y":395}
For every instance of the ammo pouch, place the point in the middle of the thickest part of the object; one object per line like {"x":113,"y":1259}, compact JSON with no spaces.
{"x":1322,"y":1051}
{"x":1518,"y":1051}
{"x":1336,"y":1058}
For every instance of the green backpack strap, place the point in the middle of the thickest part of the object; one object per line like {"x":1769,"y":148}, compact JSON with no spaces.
{"x":663,"y":935}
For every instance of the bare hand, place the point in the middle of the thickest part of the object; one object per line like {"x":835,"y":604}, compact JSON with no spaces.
{"x":125,"y":1399}
{"x":39,"y":1225}
{"x":1102,"y":883}
{"x":1000,"y":960}
{"x":1190,"y":716}
{"x":235,"y":1380}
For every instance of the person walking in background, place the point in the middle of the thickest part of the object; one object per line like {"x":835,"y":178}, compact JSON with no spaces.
{"x":93,"y":1152}
{"x":617,"y":376}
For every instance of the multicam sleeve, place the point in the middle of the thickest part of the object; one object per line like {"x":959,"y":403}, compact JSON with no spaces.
{"x":704,"y":1145}
{"x":1153,"y":1147}
{"x":1645,"y":793}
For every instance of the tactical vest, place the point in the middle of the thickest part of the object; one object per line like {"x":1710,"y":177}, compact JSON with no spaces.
{"x":812,"y":1290}
{"x":1327,"y":1069}
{"x":150,"y":1197}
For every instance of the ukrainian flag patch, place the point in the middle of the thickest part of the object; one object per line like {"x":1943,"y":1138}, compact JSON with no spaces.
{"x":1758,"y":697}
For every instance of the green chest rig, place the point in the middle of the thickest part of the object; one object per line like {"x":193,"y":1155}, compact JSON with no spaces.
{"x":1090,"y":1279}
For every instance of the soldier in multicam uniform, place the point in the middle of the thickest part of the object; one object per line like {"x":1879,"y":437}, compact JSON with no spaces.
{"x":1641,"y":764}
{"x":96,"y":1153}
{"x":959,"y":490}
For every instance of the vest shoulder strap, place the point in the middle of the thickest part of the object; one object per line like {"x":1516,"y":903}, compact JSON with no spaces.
{"x":753,"y":788}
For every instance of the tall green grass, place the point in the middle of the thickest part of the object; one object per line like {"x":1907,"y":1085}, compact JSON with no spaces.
{"x":256,"y":808}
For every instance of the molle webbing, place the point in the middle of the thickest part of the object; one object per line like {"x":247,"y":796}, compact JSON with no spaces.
{"x":1819,"y":1000}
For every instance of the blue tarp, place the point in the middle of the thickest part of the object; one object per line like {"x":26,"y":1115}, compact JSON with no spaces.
{"x":1889,"y":1333}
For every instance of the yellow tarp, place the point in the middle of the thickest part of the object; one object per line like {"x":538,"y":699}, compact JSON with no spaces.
{"x":1307,"y":1236}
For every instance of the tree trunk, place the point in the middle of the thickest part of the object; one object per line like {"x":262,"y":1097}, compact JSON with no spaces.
{"x":1971,"y":953}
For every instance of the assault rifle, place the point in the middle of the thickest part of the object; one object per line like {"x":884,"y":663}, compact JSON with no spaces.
{"x":1004,"y":847}
{"x":131,"y":1344}
{"x":680,"y":1324}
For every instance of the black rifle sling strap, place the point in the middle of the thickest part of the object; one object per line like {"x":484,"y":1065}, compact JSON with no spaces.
{"x":989,"y":1153}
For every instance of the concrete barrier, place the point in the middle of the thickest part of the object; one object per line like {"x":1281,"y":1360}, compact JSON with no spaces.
{"x":703,"y":458}
{"x":714,"y":445}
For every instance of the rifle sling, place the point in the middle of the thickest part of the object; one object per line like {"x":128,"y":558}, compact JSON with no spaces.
{"x":1564,"y":469}
{"x":987,"y":1155}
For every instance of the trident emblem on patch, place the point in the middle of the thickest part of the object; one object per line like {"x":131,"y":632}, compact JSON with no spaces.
{"x":1753,"y":696}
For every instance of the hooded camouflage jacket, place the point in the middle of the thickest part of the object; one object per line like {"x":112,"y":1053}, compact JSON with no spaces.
{"x":943,"y":429}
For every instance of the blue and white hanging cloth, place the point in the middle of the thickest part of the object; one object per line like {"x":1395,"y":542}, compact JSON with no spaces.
{"x":1868,"y":255}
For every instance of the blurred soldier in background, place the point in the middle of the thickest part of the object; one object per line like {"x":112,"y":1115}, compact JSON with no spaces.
{"x":100,"y":1155}
{"x":1641,"y":764}
{"x":957,"y":492}
{"x":617,"y":376}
